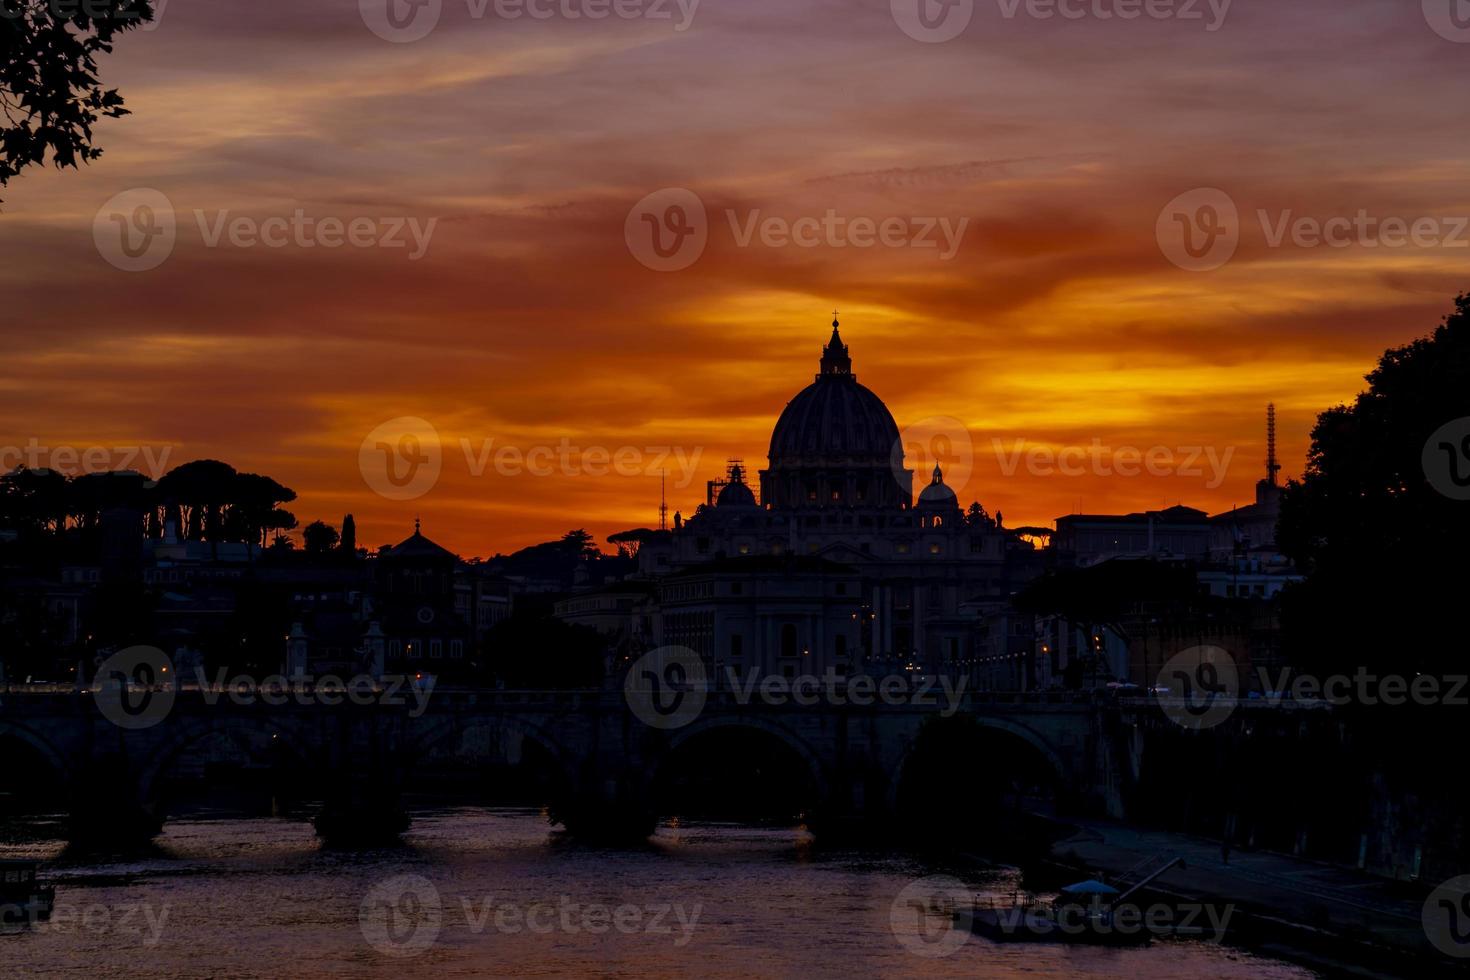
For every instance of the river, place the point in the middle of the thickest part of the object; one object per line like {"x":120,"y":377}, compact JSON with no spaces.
{"x":477,"y":892}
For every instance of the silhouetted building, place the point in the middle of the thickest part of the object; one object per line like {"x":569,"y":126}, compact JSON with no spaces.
{"x":836,"y":490}
{"x":1175,"y":532}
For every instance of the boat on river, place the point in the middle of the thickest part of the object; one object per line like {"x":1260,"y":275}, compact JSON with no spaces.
{"x":1089,"y":912}
{"x":23,"y":899}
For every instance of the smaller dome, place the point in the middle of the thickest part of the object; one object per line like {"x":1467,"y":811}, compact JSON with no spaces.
{"x":936,"y":494}
{"x":735,"y":494}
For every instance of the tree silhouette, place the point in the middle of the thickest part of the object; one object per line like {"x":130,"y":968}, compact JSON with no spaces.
{"x":34,"y":500}
{"x":1383,"y":548}
{"x":254,"y":508}
{"x":49,"y":92}
{"x":200,"y":490}
{"x":320,"y":538}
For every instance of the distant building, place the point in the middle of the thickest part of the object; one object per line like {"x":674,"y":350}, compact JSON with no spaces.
{"x":766,"y":615}
{"x":419,"y":607}
{"x":1176,"y":532}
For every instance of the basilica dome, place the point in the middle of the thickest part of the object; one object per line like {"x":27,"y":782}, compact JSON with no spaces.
{"x":834,"y":419}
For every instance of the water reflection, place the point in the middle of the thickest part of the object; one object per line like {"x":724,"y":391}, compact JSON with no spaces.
{"x":483,"y":891}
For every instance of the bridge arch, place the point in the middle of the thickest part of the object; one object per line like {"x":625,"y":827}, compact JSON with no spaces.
{"x":1060,"y":773}
{"x":816,"y":770}
{"x":566,"y":763}
{"x":766,"y":770}
{"x":176,"y":740}
{"x":52,"y":756}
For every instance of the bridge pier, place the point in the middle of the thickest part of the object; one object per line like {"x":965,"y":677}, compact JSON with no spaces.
{"x":106,"y":809}
{"x":610,"y":805}
{"x":363,"y":779}
{"x":359,"y":814}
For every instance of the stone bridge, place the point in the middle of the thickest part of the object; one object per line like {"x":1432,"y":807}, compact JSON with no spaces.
{"x":604,"y":758}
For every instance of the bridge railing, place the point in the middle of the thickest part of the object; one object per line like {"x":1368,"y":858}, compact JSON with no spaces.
{"x":580,"y":697}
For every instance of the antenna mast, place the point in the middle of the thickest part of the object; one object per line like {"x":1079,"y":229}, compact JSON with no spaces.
{"x":663,"y":501}
{"x":1272,"y":467}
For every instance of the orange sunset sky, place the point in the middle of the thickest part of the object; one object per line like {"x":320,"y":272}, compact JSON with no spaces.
{"x":1058,"y":321}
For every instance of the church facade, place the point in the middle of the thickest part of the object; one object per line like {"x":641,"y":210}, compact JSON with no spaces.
{"x":827,"y":559}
